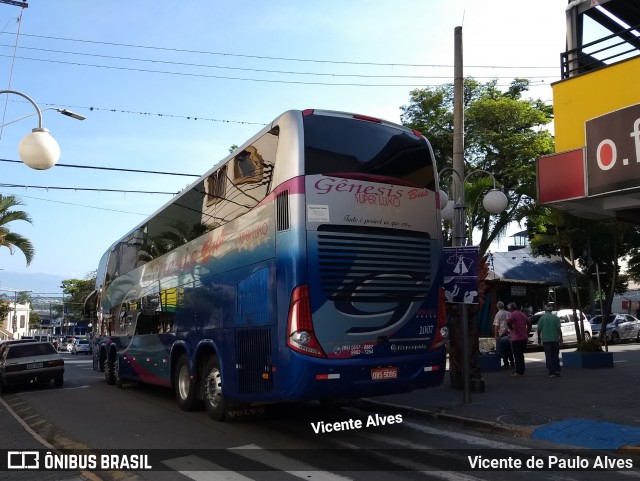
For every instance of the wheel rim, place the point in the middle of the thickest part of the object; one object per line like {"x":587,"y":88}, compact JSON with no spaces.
{"x":214,"y":387}
{"x":184,"y":382}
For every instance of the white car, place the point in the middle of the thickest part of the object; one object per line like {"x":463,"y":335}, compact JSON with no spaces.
{"x":620,"y":327}
{"x":566,"y":324}
{"x":81,"y":346}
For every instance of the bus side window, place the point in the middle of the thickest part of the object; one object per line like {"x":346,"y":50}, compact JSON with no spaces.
{"x":149,"y":317}
{"x":216,"y":186}
{"x":248,"y":166}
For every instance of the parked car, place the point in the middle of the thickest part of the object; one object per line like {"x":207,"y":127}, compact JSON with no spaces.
{"x":567,"y":326}
{"x":621,"y":327}
{"x":24,"y":363}
{"x":5,"y":343}
{"x":81,"y":346}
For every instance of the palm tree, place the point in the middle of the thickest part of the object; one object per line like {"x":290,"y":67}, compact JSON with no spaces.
{"x":9,"y":239}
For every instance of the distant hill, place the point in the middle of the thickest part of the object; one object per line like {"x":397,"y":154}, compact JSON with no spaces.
{"x":36,"y":282}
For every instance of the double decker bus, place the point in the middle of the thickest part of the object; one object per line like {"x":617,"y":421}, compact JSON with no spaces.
{"x":304,"y":266}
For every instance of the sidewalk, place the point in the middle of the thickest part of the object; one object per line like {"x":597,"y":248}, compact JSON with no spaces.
{"x":591,"y":408}
{"x":15,"y":435}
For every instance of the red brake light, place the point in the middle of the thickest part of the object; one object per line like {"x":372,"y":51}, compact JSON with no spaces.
{"x":367,"y":118}
{"x":306,"y":112}
{"x":300,"y":335}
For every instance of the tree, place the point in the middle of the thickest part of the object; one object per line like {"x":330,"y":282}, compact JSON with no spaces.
{"x":12,"y":240}
{"x":78,"y":290}
{"x":585,"y":243}
{"x":504,"y":135}
{"x":5,"y":309}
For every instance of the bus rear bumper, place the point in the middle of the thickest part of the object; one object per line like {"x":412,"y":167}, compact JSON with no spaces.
{"x":312,"y":378}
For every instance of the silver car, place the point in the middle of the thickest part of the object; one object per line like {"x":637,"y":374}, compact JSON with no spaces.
{"x":621,"y":327}
{"x":30,"y":362}
{"x":567,"y":326}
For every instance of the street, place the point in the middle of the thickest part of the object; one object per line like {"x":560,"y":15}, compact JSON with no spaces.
{"x":304,"y":440}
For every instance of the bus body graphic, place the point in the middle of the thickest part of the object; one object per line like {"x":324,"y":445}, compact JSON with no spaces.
{"x":306,"y":265}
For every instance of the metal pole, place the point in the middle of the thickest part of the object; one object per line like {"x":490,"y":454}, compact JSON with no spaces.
{"x":458,"y":166}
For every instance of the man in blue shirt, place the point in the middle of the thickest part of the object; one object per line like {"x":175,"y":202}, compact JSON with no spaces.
{"x":550,"y":333}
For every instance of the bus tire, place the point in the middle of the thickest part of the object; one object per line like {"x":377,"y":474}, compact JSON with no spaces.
{"x":186,"y":386}
{"x":215,"y":402}
{"x":109,"y":375}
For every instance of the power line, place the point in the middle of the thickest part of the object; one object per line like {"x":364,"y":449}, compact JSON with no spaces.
{"x":111,"y":168}
{"x":80,"y":205}
{"x":244,"y":69}
{"x":222,"y":77}
{"x":10,"y":186}
{"x":264,"y":57}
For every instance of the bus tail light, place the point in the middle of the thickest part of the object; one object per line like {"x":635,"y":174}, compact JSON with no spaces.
{"x":300,"y":335}
{"x":442,"y":331}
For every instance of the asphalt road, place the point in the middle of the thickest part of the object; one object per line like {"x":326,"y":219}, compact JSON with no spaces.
{"x":288,"y":442}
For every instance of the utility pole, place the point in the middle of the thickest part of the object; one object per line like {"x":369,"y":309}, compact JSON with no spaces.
{"x":459,"y":221}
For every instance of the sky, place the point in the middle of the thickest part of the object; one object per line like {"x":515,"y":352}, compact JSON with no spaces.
{"x":167,"y":88}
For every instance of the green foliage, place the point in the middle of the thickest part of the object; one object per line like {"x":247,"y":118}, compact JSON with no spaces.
{"x":11,"y":240}
{"x":590,"y":345}
{"x":76,"y":291}
{"x":5,"y":309}
{"x":504,"y":134}
{"x":591,"y":242}
{"x":34,"y":320}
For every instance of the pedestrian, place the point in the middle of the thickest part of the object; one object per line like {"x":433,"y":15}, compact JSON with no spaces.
{"x":550,"y":333}
{"x":501,"y":334}
{"x":518,"y":332}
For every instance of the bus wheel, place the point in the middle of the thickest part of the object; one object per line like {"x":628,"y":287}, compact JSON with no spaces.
{"x":109,"y":374}
{"x":185,"y":386}
{"x":215,"y":402}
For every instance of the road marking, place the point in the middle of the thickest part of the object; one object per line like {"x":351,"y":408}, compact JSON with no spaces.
{"x":466,"y":438}
{"x":285,"y":463}
{"x":200,"y":469}
{"x":430,"y":471}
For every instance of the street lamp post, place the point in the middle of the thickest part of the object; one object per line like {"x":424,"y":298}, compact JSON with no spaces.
{"x":494,"y":202}
{"x":38,"y":149}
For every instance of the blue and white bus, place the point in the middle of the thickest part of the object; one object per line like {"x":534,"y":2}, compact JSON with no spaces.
{"x":305,"y":265}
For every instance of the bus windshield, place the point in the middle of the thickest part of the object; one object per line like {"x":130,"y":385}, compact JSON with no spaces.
{"x":340,"y":147}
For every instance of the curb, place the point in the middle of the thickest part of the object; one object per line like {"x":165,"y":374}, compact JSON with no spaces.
{"x":480,"y":424}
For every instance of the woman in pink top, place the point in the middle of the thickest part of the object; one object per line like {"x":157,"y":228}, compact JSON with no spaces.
{"x":518,"y":329}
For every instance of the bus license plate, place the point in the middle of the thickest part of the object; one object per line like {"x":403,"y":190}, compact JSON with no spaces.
{"x":378,"y":373}
{"x":35,"y":365}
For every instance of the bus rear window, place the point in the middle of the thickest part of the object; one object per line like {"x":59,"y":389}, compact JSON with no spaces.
{"x":348,"y":147}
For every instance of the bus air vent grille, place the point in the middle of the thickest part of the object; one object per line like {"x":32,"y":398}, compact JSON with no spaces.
{"x":282,"y":211}
{"x":253,"y":348}
{"x":373,"y":264}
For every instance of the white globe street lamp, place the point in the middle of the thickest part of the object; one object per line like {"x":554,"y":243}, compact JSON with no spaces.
{"x":38,"y":149}
{"x":494,"y":202}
